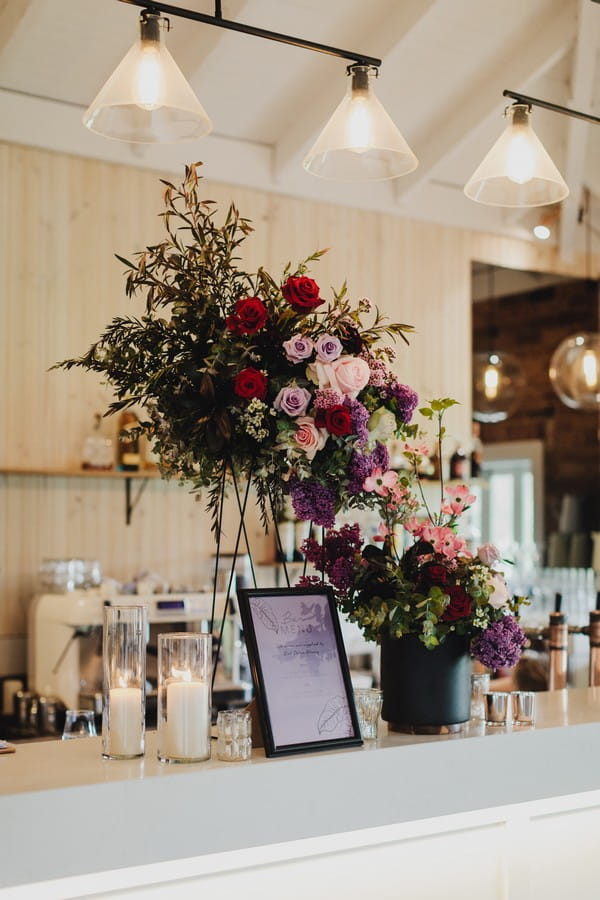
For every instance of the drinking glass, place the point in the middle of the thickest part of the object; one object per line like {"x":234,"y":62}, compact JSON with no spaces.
{"x":368,"y":709}
{"x":234,"y":735}
{"x":480,"y":684}
{"x":79,"y":723}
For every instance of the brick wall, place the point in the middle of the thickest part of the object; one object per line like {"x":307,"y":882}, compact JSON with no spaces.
{"x":531,"y":326}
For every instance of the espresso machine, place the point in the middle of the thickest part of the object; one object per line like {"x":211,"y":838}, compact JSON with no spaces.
{"x":65,"y":643}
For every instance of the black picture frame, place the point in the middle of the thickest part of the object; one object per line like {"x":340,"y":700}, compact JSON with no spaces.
{"x":299,"y":668}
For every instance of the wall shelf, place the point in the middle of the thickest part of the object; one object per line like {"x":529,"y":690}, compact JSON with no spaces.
{"x":127,"y":477}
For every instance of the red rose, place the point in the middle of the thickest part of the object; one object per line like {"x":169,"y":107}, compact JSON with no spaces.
{"x":434,"y":574}
{"x":249,"y":317}
{"x":460,"y":603}
{"x":336,"y":420}
{"x":250,"y":383}
{"x":302,"y":294}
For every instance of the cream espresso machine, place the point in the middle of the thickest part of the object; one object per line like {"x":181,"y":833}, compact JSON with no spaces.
{"x":65,"y":643}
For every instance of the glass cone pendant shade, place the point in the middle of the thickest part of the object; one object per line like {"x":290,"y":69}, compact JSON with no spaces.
{"x":147,"y":98}
{"x":497,"y":386}
{"x":575,"y":371}
{"x":517,"y":171}
{"x":360,"y":142}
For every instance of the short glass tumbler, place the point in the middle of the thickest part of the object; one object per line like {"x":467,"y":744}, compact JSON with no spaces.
{"x":124,"y":682}
{"x":497,"y":708}
{"x":234,"y":735}
{"x":480,"y":684}
{"x":368,"y":703}
{"x":184,"y":696}
{"x":79,"y":723}
{"x":523,"y":707}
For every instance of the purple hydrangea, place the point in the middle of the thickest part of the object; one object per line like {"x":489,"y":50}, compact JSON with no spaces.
{"x":313,"y":502}
{"x":362,"y":465}
{"x":359,"y":416}
{"x":405,"y":398}
{"x":500,"y":645}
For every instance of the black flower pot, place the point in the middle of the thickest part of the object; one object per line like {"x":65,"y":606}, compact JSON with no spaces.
{"x":425,"y":691}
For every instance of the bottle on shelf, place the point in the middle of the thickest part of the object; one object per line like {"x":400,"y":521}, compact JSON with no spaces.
{"x":129,"y":455}
{"x":594,"y":634}
{"x":458,"y":464}
{"x":98,"y":450}
{"x":558,"y":647}
{"x":476,"y":455}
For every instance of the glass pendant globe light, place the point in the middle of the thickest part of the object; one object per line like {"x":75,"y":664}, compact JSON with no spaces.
{"x":497,"y":386}
{"x":147,"y":98}
{"x":360,"y":142}
{"x":517,"y":171}
{"x":575,"y":371}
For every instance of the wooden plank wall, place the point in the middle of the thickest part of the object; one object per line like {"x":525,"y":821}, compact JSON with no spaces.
{"x":63,"y":219}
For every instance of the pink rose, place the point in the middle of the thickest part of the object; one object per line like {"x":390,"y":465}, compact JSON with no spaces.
{"x":292,"y":400}
{"x":500,"y":596}
{"x":298,"y":348}
{"x":328,"y":348}
{"x":308,"y":437}
{"x":351,"y":374}
{"x":488,"y":554}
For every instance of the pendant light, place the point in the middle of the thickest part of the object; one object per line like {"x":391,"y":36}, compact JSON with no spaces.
{"x":497,"y":376}
{"x":147,"y":98}
{"x":575,"y":371}
{"x":517,"y":171}
{"x":360,"y":141}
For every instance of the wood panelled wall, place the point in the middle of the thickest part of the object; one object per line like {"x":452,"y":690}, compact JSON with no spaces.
{"x":63,"y":219}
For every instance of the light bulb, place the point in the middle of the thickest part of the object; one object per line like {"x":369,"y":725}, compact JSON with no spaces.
{"x":542,"y":232}
{"x":589,"y":365}
{"x":359,"y":125}
{"x":148,"y":80}
{"x":491,"y":381}
{"x":520,"y":157}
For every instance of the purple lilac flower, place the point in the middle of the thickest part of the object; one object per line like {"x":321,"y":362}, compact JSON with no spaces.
{"x":336,"y":554}
{"x":309,"y":581}
{"x":406,"y":399}
{"x":362,"y":465}
{"x":327,"y":398}
{"x":313,"y":502}
{"x":500,"y":645}
{"x":379,"y":371}
{"x":359,"y":416}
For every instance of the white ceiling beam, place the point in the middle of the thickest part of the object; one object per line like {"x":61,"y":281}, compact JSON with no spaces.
{"x":192,"y":42}
{"x":385,"y":37}
{"x":11,"y":16}
{"x":581,"y":95}
{"x":533,"y":53}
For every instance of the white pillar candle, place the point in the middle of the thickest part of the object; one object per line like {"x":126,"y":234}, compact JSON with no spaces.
{"x":125,"y":721}
{"x":187,"y":727}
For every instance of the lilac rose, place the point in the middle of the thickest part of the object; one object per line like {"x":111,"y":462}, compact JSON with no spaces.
{"x":328,"y":348}
{"x":298,"y":348}
{"x":292,"y":400}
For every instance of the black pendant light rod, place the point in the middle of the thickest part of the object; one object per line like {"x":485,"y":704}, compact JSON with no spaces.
{"x":545,"y":104}
{"x":220,"y":22}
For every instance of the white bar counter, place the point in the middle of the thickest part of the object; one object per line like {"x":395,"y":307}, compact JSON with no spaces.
{"x":496,"y":812}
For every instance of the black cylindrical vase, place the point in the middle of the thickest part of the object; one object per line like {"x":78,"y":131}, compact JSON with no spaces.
{"x":425,"y":691}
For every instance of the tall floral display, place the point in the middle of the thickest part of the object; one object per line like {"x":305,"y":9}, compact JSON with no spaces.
{"x":250,"y":377}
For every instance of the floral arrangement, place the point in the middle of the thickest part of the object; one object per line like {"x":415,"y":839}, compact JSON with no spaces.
{"x":436,"y":585}
{"x":247,"y":374}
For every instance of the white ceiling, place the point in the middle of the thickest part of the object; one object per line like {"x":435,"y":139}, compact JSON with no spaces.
{"x":445,"y":65}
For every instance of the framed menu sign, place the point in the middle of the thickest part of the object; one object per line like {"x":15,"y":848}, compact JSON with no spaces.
{"x":299,"y":668}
